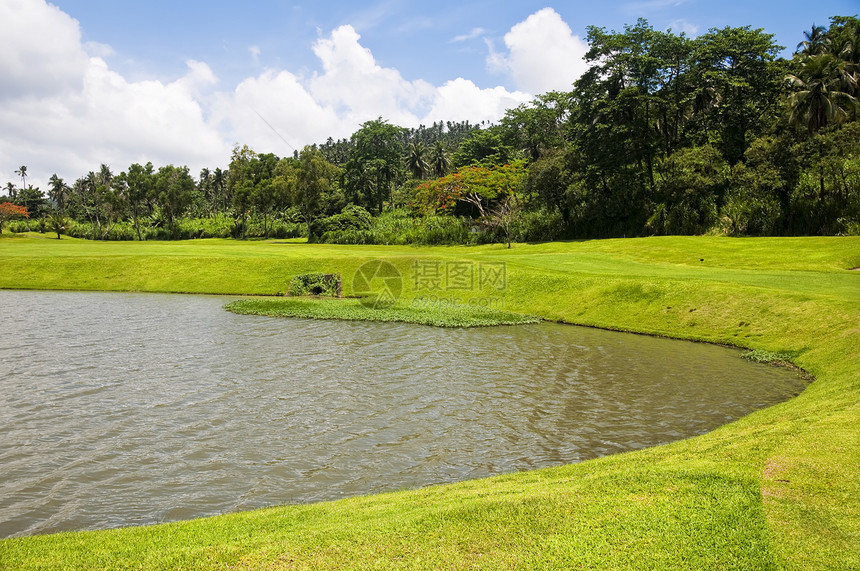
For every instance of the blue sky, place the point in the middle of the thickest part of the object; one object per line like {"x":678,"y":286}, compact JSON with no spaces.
{"x":435,"y":41}
{"x":90,"y":81}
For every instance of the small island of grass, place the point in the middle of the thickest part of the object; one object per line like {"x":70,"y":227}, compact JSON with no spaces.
{"x":449,"y":315}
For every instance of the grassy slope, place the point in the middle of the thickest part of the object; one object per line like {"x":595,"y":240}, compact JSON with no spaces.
{"x":776,"y":489}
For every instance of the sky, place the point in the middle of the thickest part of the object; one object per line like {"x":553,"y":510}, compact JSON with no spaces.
{"x":86,"y":82}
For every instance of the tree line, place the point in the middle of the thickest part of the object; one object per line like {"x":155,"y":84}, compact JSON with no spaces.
{"x":664,"y":134}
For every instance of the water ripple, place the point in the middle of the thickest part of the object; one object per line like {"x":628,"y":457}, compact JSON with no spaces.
{"x":129,"y":409}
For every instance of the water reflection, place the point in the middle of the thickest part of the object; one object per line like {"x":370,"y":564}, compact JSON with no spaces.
{"x":128,"y":409}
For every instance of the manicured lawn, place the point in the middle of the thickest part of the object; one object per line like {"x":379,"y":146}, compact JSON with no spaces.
{"x":777,"y":489}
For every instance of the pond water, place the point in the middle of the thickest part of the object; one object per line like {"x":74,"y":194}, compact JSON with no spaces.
{"x":130,"y":409}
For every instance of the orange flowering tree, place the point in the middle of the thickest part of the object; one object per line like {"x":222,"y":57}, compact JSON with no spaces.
{"x":478,"y":185}
{"x":8,"y":211}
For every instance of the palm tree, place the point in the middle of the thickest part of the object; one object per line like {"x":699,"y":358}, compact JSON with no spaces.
{"x":820,"y":96}
{"x":849,"y":53}
{"x":57,"y":192}
{"x":815,"y":41}
{"x":219,"y":179}
{"x":105,"y":176}
{"x":57,"y":223}
{"x":416,"y":160}
{"x":440,"y":160}
{"x":22,"y":172}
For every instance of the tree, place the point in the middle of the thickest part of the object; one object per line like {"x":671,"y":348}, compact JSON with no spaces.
{"x":504,"y":215}
{"x":548,"y":181}
{"x":814,"y":42}
{"x":736,"y":70}
{"x":690,"y":184}
{"x":57,"y":223}
{"x":105,"y":203}
{"x":240,"y":183}
{"x":538,"y":127}
{"x":139,"y":186}
{"x":374,"y":164}
{"x":309,"y":183}
{"x":92,"y":196}
{"x":478,"y":186}
{"x":205,"y":186}
{"x":219,"y":188}
{"x":8,"y":211}
{"x":172,"y":189}
{"x":818,"y":98}
{"x":34,"y":201}
{"x":58,"y":192}
{"x":22,"y":172}
{"x":416,"y":160}
{"x":483,"y":147}
{"x":265,"y":197}
{"x":440,"y":160}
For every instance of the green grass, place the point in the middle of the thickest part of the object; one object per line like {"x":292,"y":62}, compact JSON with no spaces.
{"x":352,"y":309}
{"x":777,"y":489}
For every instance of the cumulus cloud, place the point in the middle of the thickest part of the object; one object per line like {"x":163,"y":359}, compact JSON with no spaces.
{"x":274,"y":109}
{"x":110,"y":120}
{"x":40,"y":50}
{"x":351,"y":88}
{"x":462,"y":100}
{"x":543,"y":54}
{"x":64,"y":110}
{"x":358,"y":88}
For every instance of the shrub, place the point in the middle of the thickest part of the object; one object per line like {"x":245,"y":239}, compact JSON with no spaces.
{"x":316,"y":284}
{"x":352,"y":217}
{"x":539,"y":226}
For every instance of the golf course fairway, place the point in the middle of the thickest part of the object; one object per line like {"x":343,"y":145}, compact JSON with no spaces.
{"x":778,"y":489}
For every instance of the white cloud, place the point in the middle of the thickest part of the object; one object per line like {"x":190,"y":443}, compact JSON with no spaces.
{"x":112,"y":121}
{"x":475,"y":33}
{"x":352,"y":88}
{"x":462,"y":100}
{"x":358,"y":88}
{"x":96,"y":49}
{"x":543,"y":54}
{"x":684,"y":26}
{"x":275,"y":107}
{"x":64,"y":110}
{"x":41,"y":51}
{"x":255,"y":53}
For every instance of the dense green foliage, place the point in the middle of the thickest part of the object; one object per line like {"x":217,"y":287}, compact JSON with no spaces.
{"x":316,"y":283}
{"x":778,"y":489}
{"x":664,"y":134}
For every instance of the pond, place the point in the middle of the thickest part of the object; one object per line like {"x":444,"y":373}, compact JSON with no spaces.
{"x":131,"y":409}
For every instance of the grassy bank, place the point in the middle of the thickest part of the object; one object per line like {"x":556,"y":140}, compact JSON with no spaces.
{"x":777,"y":489}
